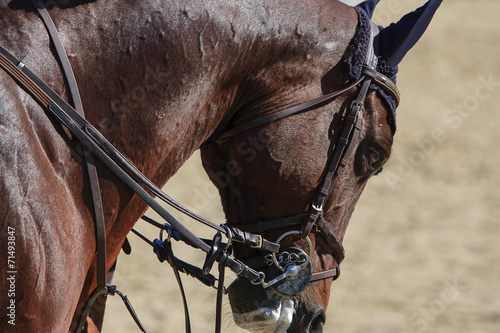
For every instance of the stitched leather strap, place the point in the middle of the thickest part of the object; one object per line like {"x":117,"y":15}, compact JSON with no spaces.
{"x":333,"y":241}
{"x":263,"y":226}
{"x":384,"y":82}
{"x":61,"y":53}
{"x":255,"y":241}
{"x":98,"y":213}
{"x":89,"y":159}
{"x":309,"y":105}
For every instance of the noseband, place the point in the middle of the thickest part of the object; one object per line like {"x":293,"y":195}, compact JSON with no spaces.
{"x":314,"y":218}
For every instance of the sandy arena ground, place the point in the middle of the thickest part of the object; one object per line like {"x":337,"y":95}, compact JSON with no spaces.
{"x":423,"y":245}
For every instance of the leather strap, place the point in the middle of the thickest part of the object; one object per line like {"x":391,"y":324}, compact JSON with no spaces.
{"x":384,"y":82}
{"x":255,"y":241}
{"x":220,"y":294}
{"x":99,"y":291}
{"x":112,"y":290}
{"x":172,"y":262}
{"x":334,"y":244}
{"x":331,"y":273}
{"x":332,"y":240}
{"x":61,"y":54}
{"x":90,"y":162}
{"x":309,"y":105}
{"x":98,"y":213}
{"x":352,"y":122}
{"x":352,"y":126}
{"x":336,"y":164}
{"x":266,"y":225}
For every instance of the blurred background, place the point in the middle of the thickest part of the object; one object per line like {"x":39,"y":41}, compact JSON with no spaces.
{"x":423,"y":245}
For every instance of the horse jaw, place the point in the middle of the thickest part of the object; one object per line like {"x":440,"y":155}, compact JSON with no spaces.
{"x":266,"y":319}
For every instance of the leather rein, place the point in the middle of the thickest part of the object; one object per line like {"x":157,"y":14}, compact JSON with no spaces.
{"x":72,"y":117}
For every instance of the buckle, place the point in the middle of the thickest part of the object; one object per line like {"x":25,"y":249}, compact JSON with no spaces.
{"x":318,"y":209}
{"x":259,"y":242}
{"x":358,"y":103}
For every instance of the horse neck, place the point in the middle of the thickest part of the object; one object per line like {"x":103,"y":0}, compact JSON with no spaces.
{"x":164,"y":77}
{"x":158,"y":97}
{"x":159,"y":80}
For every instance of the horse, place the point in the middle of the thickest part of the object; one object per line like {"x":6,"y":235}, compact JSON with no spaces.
{"x":161,"y":79}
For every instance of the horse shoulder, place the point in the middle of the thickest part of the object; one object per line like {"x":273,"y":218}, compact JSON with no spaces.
{"x":38,"y":211}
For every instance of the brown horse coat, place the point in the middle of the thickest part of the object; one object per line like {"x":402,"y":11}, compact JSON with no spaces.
{"x":159,"y":79}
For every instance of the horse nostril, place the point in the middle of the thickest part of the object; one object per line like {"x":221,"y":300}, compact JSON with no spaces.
{"x":318,"y":322}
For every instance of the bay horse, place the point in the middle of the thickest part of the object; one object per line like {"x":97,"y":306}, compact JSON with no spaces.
{"x":161,"y":79}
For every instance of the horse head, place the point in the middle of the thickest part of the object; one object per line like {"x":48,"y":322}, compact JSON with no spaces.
{"x":295,"y":179}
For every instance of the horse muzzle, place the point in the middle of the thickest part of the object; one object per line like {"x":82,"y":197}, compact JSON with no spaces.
{"x":269,"y":304}
{"x":261,"y":310}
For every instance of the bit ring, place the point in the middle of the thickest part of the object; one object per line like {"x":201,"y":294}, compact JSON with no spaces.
{"x":305,"y":263}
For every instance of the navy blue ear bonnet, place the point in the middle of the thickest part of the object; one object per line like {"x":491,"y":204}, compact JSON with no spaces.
{"x":357,"y":59}
{"x":393,"y":43}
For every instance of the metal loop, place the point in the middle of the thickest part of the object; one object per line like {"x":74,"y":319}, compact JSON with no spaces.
{"x":286,"y":258}
{"x":259,"y":280}
{"x":229,"y":236}
{"x":268,"y":259}
{"x":303,"y":265}
{"x":169,"y":236}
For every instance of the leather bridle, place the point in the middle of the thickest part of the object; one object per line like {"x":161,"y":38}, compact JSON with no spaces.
{"x":351,"y":128}
{"x":291,"y":262}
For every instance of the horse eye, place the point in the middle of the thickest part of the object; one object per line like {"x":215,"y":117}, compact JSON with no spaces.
{"x":375,"y":158}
